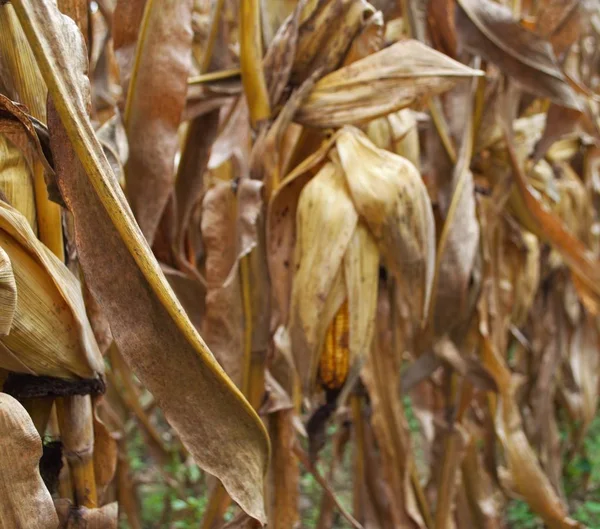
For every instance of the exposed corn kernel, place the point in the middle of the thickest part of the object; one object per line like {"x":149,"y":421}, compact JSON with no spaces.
{"x":335,"y":356}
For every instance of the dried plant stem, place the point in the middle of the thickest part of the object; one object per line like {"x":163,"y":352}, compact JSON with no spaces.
{"x":75,"y":420}
{"x":450,"y":460}
{"x":253,"y":77}
{"x":359,"y":455}
{"x":214,"y":76}
{"x":65,"y":485}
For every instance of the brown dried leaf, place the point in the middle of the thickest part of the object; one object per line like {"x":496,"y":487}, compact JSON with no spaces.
{"x":155,"y":102}
{"x":458,"y":245}
{"x":560,"y":22}
{"x":381,"y":377}
{"x":548,"y":226}
{"x":229,"y":232}
{"x":440,"y":18}
{"x":24,"y":499}
{"x":127,"y":21}
{"x":381,"y":83}
{"x":488,"y":29}
{"x":189,"y":185}
{"x":281,"y":227}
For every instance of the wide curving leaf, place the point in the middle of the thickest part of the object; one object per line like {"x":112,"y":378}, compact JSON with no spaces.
{"x":214,"y":421}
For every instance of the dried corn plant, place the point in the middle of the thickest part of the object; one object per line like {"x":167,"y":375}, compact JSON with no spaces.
{"x":304,"y":263}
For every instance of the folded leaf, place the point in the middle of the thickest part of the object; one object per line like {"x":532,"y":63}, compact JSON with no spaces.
{"x":488,"y":29}
{"x":381,"y":83}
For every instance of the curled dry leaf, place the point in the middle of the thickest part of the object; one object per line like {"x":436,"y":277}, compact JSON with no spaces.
{"x":488,"y":29}
{"x":155,"y":102}
{"x":281,"y":227}
{"x":458,"y":245}
{"x":381,"y":83}
{"x":50,"y":333}
{"x":325,"y":34}
{"x":223,"y":433}
{"x":24,"y":499}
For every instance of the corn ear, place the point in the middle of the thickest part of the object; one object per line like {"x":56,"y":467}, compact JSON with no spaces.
{"x":325,"y":223}
{"x":50,"y":333}
{"x":335,"y":357}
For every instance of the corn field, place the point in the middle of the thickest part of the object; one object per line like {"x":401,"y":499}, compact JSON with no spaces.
{"x":310,"y":264}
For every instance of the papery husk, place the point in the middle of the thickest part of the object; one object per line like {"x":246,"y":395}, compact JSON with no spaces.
{"x":24,"y":499}
{"x":397,"y":133}
{"x":50,"y":334}
{"x":361,"y":274}
{"x":325,"y":224}
{"x":16,"y":180}
{"x":384,"y":82}
{"x":389,"y":194}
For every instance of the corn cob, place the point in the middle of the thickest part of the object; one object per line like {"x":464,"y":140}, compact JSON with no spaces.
{"x":335,"y":356}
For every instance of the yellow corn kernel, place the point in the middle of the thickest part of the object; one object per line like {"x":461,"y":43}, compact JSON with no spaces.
{"x":335,"y":356}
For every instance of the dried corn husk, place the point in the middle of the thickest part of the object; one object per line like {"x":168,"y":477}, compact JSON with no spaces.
{"x":24,"y":499}
{"x":389,"y":194}
{"x":325,"y":221}
{"x":50,"y":333}
{"x":16,"y":181}
{"x":397,"y":133}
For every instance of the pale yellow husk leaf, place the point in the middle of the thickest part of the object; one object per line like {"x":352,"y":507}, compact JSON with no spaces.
{"x":50,"y":333}
{"x":389,"y":194}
